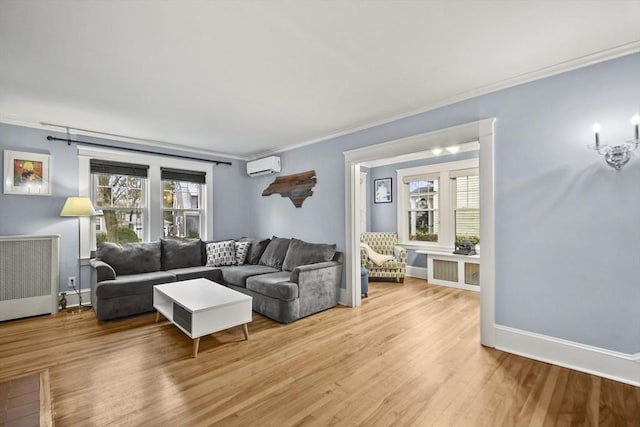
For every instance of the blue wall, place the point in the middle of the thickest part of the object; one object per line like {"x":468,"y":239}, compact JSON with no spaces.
{"x":21,"y":214}
{"x":566,"y":224}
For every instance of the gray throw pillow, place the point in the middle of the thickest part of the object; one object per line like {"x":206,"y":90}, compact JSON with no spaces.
{"x":130,"y":258}
{"x":303,"y":253}
{"x":256,"y":249}
{"x":274,"y":255}
{"x":178,"y":254}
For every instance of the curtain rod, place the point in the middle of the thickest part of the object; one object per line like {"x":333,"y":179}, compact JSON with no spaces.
{"x":136,"y":150}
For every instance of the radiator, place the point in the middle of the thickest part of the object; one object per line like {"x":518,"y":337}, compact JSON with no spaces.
{"x":29,"y":275}
{"x":445,"y":270}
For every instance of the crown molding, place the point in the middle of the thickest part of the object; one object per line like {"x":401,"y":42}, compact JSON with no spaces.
{"x":562,"y":67}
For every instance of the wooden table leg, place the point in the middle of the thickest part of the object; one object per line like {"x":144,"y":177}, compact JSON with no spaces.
{"x":157,"y":316}
{"x":196,"y":345}
{"x":245,"y":329}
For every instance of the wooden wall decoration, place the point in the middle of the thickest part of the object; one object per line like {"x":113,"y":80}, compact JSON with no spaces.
{"x":296,"y":187}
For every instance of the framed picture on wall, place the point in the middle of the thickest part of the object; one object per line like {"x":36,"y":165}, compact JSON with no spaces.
{"x":27,"y":173}
{"x":382,"y":190}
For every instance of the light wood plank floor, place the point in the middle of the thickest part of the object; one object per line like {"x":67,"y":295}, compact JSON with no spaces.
{"x":410,"y":355}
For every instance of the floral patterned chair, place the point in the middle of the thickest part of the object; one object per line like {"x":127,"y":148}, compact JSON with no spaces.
{"x":385,"y":243}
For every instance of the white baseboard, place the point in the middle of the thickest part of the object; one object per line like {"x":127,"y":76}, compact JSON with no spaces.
{"x":580,"y":357}
{"x":72,"y":298}
{"x":419,"y":272}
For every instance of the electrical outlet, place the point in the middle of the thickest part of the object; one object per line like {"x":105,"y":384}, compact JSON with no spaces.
{"x":71,"y":282}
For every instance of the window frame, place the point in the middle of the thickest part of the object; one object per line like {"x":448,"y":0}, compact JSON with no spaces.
{"x":144,"y":208}
{"x":446,"y":231}
{"x":153,"y":192}
{"x":454,"y":193}
{"x":185,"y":211}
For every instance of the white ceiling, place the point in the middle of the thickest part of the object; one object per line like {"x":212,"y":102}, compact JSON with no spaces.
{"x":248,"y":77}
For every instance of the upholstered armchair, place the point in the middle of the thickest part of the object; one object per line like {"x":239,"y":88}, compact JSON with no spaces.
{"x":384,"y":243}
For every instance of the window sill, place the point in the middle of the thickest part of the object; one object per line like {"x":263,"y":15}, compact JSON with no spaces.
{"x":430,"y":246}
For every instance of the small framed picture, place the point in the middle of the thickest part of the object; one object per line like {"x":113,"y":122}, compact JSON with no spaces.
{"x":382,"y":190}
{"x":27,"y":173}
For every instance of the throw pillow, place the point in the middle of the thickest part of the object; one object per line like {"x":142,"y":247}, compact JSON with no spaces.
{"x":303,"y":253}
{"x":256,"y":249}
{"x":221,"y":253}
{"x":242,"y":249}
{"x":177,"y":254}
{"x":274,"y":255}
{"x":130,"y":258}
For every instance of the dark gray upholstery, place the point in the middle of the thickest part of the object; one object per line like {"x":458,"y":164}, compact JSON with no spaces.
{"x":275,"y":285}
{"x":274,"y":255}
{"x":303,"y":253}
{"x":103,"y":270}
{"x":188,"y":273}
{"x":130,"y":258}
{"x":255,"y":250}
{"x":178,"y":254}
{"x":132,"y":284}
{"x":127,"y":295}
{"x":237,"y":274}
{"x":281,"y":295}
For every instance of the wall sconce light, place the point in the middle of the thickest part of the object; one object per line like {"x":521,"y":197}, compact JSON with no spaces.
{"x":619,"y":155}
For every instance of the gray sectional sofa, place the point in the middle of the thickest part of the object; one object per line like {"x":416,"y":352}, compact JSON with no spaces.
{"x":287,"y":278}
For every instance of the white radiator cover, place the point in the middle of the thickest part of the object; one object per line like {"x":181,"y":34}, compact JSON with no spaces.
{"x":29,"y":275}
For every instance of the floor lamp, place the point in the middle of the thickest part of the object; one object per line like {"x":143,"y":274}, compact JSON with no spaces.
{"x":78,"y":206}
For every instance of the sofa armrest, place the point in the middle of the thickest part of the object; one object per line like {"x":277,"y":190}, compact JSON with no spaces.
{"x":318,"y":286}
{"x":400,"y":253}
{"x":307,"y":272}
{"x":103,"y":270}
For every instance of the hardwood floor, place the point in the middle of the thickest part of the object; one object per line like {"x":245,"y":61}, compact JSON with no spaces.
{"x":410,"y":355}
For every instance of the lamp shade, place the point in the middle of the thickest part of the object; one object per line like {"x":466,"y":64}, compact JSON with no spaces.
{"x":78,"y":206}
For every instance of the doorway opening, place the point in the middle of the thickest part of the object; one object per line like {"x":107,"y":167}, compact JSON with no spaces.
{"x":481,"y":131}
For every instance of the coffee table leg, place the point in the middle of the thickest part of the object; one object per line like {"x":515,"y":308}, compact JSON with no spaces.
{"x":245,"y":329}
{"x":196,"y":345}
{"x":157,"y":316}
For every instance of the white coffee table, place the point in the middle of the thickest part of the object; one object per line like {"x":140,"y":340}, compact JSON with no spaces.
{"x":201,"y":307}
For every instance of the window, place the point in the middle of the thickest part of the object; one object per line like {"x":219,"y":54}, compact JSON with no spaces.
{"x":424,"y":217}
{"x":119,"y":191}
{"x":181,"y":203}
{"x":439,"y":204}
{"x":467,"y":206}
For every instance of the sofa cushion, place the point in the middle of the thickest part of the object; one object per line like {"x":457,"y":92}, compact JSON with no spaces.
{"x":204,"y":272}
{"x":177,"y":254}
{"x":238,"y":274}
{"x":303,"y":253}
{"x":221,"y":253}
{"x":130,"y":258}
{"x":242,"y":249}
{"x":256,"y":249}
{"x":274,"y":255}
{"x":134,"y":284}
{"x":274,"y":285}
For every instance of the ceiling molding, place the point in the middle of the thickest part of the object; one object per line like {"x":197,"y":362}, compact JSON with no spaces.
{"x":562,"y":67}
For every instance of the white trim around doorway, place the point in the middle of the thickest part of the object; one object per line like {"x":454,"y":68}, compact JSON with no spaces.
{"x":482,"y":131}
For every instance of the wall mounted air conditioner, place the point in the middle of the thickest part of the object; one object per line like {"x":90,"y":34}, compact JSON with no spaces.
{"x":264,"y":166}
